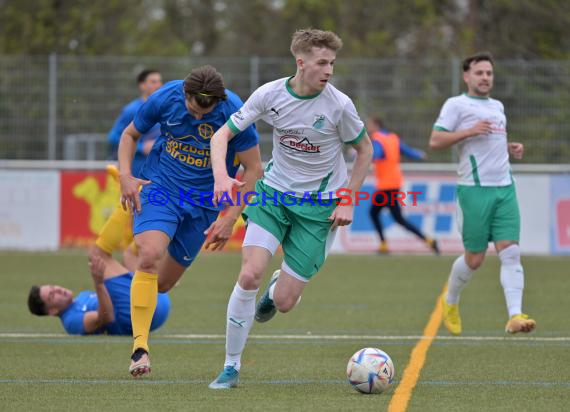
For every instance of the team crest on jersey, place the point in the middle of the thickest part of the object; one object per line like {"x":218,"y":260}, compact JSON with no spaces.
{"x":206,"y":131}
{"x":319,"y":121}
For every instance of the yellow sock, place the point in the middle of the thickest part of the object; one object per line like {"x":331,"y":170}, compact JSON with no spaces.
{"x":117,"y":232}
{"x":113,"y":171}
{"x":144,"y":294}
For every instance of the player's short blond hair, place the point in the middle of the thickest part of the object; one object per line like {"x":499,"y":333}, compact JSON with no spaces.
{"x":305,"y":39}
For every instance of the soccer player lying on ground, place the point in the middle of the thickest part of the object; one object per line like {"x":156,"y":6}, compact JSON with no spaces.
{"x":173,"y":211}
{"x":296,"y":202}
{"x":105,"y":310}
{"x":486,"y":195}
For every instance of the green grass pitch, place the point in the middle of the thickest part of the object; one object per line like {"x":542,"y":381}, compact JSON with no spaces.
{"x":355,"y":302}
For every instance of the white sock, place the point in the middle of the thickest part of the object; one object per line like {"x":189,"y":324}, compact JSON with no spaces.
{"x":272,"y":290}
{"x":458,"y":278}
{"x":241,"y":310}
{"x":512,"y":278}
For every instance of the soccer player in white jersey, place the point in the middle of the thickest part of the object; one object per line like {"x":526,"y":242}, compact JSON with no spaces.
{"x":487,"y":203}
{"x":295,"y":204}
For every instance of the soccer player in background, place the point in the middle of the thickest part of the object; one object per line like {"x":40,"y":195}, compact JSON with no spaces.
{"x":487,"y":203}
{"x":386,"y":158}
{"x":117,"y":233}
{"x":148,"y":82}
{"x":311,"y":120}
{"x":172,"y":215}
{"x":105,"y":310}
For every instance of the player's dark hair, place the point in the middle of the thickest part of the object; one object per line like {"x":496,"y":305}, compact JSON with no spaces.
{"x":378,"y":121}
{"x":141,"y":77}
{"x":476,"y":58}
{"x":206,"y":85}
{"x":35,"y":302}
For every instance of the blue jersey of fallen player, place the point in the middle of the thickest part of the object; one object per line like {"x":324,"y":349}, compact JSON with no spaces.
{"x":127,"y":115}
{"x":184,"y":158}
{"x":119,"y":291}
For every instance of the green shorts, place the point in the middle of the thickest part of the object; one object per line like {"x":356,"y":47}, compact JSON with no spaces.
{"x":302,"y":229}
{"x":487,"y":214}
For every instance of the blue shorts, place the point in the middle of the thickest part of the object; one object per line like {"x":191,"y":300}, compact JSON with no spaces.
{"x":184,"y":224}
{"x":119,"y":288}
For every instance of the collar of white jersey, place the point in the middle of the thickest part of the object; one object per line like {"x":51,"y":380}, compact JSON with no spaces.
{"x":295,"y":95}
{"x":476,"y":97}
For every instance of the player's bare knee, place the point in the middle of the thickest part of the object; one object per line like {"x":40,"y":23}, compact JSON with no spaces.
{"x":283,"y":308}
{"x":474,"y":261}
{"x":149,"y":257}
{"x":250,"y":276}
{"x":284,"y":302}
{"x":284,"y":305}
{"x":249,"y":280}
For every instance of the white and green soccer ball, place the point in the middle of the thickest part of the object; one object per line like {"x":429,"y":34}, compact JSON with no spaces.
{"x":370,"y":370}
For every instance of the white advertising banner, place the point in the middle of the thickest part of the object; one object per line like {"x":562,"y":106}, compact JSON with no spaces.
{"x":434,"y":214}
{"x":533,"y":193}
{"x":30,"y":214}
{"x":29,"y":210}
{"x":559,"y":212}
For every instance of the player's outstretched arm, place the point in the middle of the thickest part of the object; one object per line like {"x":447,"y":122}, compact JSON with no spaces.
{"x":95,"y":320}
{"x":218,"y":151}
{"x":221,"y":230}
{"x":412,"y":152}
{"x":129,"y":184}
{"x":343,"y":214}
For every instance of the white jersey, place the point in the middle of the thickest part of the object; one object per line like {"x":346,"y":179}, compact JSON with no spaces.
{"x":308,"y":135}
{"x":483,"y":159}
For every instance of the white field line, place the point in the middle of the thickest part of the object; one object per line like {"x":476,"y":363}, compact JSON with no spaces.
{"x":318,"y":337}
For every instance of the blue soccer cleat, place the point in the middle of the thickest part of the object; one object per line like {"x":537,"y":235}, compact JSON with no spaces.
{"x":265,"y":308}
{"x":227,"y":379}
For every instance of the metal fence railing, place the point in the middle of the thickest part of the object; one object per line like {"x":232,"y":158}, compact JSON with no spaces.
{"x":46,"y":99}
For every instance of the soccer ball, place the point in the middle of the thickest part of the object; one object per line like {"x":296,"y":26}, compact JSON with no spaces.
{"x":370,"y":370}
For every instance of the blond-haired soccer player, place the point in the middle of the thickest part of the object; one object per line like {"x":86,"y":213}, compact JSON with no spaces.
{"x":312,"y":121}
{"x":487,"y":203}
